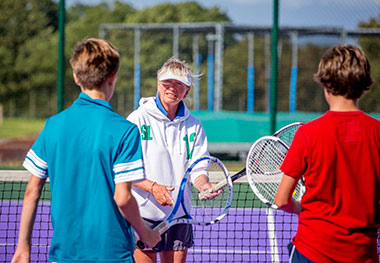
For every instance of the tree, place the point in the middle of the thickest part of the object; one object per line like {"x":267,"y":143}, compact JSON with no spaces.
{"x":20,"y":20}
{"x":371,"y":46}
{"x":84,"y":21}
{"x":32,"y":66}
{"x":36,"y":61}
{"x":156,"y":47}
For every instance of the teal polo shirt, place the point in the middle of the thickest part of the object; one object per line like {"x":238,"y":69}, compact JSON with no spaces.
{"x":85,"y":150}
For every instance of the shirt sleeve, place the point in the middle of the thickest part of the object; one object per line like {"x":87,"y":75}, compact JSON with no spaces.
{"x":36,"y":158}
{"x":200,"y":150}
{"x":128,"y":165}
{"x":295,"y":162}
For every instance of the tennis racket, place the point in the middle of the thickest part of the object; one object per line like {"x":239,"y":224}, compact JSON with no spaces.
{"x":263,"y":169}
{"x":286,"y":134}
{"x":189,"y":208}
{"x":221,"y":183}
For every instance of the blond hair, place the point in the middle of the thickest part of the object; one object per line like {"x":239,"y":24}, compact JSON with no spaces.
{"x":177,"y":67}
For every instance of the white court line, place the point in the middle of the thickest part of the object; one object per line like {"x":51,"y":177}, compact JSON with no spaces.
{"x":14,"y":244}
{"x":226,"y":251}
{"x":16,"y":176}
{"x":274,"y":249}
{"x":272,"y":236}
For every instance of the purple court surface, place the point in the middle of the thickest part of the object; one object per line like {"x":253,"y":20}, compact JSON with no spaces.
{"x":244,"y":235}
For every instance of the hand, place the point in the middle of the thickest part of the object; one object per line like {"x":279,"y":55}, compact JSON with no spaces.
{"x":22,"y":255}
{"x":202,"y":184}
{"x":162,"y":195}
{"x":151,"y":238}
{"x":211,"y":194}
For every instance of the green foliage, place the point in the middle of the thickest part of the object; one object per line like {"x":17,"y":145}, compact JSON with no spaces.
{"x":41,"y":53}
{"x":29,"y":50}
{"x":371,"y":46}
{"x":83,"y":22}
{"x":156,"y":47}
{"x":178,"y":13}
{"x":20,"y":20}
{"x":235,"y":75}
{"x":310,"y":95}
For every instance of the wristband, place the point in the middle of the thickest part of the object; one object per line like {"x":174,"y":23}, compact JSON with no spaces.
{"x":151,"y":187}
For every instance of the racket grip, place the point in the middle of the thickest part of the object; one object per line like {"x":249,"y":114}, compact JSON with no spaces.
{"x":161,"y":228}
{"x":202,"y":194}
{"x":214,"y":188}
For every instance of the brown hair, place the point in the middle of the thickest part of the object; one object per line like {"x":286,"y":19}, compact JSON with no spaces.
{"x":93,"y":61}
{"x":344,"y":70}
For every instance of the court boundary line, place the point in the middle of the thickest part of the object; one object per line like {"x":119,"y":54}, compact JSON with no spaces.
{"x":226,"y":251}
{"x":272,"y":236}
{"x":15,"y":245}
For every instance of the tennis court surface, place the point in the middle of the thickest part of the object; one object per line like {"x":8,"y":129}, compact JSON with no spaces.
{"x":249,"y":233}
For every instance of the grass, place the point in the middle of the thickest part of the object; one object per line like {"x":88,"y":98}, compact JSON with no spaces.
{"x":233,"y":166}
{"x":16,"y":128}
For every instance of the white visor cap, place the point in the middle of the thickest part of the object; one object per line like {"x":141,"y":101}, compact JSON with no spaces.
{"x":170,"y":75}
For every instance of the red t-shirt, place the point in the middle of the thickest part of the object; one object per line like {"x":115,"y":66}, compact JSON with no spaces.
{"x":339,"y":156}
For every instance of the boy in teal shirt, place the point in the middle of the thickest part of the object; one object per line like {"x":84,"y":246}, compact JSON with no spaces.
{"x":91,"y":156}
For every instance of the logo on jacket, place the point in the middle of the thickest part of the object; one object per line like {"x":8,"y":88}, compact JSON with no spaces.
{"x":145,"y":133}
{"x":188,"y":140}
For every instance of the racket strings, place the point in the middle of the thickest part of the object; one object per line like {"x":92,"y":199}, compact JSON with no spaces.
{"x":286,"y":134}
{"x":264,"y":167}
{"x":209,"y":210}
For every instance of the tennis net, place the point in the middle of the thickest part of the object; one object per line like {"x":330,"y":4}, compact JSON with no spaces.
{"x":249,"y":233}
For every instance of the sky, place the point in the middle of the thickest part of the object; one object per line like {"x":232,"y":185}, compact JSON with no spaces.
{"x":331,"y":13}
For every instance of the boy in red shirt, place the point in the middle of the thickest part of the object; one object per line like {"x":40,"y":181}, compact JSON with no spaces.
{"x":339,"y":156}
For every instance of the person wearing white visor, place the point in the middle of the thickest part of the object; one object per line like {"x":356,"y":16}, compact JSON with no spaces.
{"x":170,"y":75}
{"x":171,"y":139}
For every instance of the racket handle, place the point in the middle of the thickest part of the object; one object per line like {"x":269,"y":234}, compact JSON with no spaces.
{"x":202,"y":194}
{"x":161,"y":228}
{"x":214,"y":189}
{"x":238,"y":175}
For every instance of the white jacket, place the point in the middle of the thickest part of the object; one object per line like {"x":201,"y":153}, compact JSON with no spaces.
{"x":169,"y":147}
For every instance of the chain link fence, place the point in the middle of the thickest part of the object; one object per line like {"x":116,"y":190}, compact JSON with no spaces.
{"x":244,"y":65}
{"x":234,"y":62}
